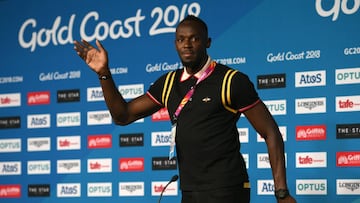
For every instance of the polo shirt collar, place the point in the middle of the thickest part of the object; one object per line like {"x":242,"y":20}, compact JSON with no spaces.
{"x":185,"y":75}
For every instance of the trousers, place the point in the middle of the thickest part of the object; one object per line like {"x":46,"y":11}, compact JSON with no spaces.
{"x":235,"y":194}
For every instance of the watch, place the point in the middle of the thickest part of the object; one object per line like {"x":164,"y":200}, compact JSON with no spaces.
{"x":104,"y":77}
{"x":281,"y":193}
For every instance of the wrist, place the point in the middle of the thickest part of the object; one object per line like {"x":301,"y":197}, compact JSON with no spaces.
{"x":281,"y":193}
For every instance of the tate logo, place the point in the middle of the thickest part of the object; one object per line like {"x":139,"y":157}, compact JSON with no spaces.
{"x":311,"y":159}
{"x":38,"y":98}
{"x":310,"y":78}
{"x":68,"y":142}
{"x":348,"y":103}
{"x":99,"y":165}
{"x":128,"y":189}
{"x":158,"y":186}
{"x":10,"y":100}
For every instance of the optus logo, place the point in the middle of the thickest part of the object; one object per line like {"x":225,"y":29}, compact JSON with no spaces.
{"x":347,"y":7}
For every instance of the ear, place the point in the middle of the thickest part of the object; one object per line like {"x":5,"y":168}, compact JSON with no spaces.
{"x":208,"y":43}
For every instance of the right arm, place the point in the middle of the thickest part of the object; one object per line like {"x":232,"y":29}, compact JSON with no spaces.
{"x":122,"y":112}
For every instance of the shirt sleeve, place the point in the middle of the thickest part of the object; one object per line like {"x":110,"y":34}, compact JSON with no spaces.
{"x":243,"y":93}
{"x":155,"y":91}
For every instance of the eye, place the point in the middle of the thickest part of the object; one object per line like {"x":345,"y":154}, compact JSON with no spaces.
{"x":194,"y":39}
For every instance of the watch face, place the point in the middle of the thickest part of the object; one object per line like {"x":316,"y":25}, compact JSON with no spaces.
{"x":281,"y":194}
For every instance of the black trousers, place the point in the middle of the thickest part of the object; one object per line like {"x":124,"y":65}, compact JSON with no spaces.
{"x":236,"y":194}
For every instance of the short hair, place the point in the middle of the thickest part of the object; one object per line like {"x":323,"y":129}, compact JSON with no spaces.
{"x":195,"y":19}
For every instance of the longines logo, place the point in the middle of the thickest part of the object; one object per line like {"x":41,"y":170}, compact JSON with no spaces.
{"x":72,"y":95}
{"x":163,"y":163}
{"x":310,"y":105}
{"x":271,"y":81}
{"x":131,"y":189}
{"x":10,"y":122}
{"x":348,"y":186}
{"x":129,"y":140}
{"x":348,"y":130}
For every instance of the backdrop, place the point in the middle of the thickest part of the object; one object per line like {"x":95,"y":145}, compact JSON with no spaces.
{"x":57,"y":139}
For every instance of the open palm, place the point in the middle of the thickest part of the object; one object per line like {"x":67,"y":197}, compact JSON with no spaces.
{"x":96,"y":58}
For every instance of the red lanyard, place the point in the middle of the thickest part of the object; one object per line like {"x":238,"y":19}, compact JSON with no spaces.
{"x":192,"y":89}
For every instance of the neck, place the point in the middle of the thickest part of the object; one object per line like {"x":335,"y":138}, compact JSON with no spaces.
{"x":192,"y":70}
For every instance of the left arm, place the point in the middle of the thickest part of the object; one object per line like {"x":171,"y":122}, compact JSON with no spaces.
{"x":263,"y":122}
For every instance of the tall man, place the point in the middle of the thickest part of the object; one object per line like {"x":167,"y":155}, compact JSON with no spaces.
{"x":204,"y":100}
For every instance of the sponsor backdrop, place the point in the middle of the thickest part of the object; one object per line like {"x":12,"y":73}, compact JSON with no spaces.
{"x":57,"y":139}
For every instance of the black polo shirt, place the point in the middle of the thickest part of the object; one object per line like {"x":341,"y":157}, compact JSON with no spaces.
{"x":207,"y":140}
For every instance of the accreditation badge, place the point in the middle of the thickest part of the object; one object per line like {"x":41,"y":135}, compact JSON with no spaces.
{"x":172,"y":142}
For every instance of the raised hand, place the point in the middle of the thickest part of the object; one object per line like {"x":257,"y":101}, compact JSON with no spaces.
{"x":95,"y":58}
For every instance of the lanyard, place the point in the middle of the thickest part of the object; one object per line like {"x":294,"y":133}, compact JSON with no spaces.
{"x":192,"y":89}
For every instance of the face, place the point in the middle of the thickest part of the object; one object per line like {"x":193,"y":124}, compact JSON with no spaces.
{"x":191,"y":43}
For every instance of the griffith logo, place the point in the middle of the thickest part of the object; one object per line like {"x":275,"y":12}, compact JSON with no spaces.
{"x":161,"y":115}
{"x":348,"y":159}
{"x":38,"y":98}
{"x":99,"y":141}
{"x":10,"y":191}
{"x":314,"y":132}
{"x":131,"y":164}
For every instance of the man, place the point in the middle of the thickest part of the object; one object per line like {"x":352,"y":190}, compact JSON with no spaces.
{"x":205,"y":101}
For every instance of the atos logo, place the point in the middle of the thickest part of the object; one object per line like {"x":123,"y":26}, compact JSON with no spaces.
{"x":95,"y":94}
{"x":10,"y":168}
{"x":68,"y":190}
{"x":265,"y":187}
{"x":38,"y":121}
{"x":338,"y":5}
{"x":161,"y":138}
{"x":310,"y":78}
